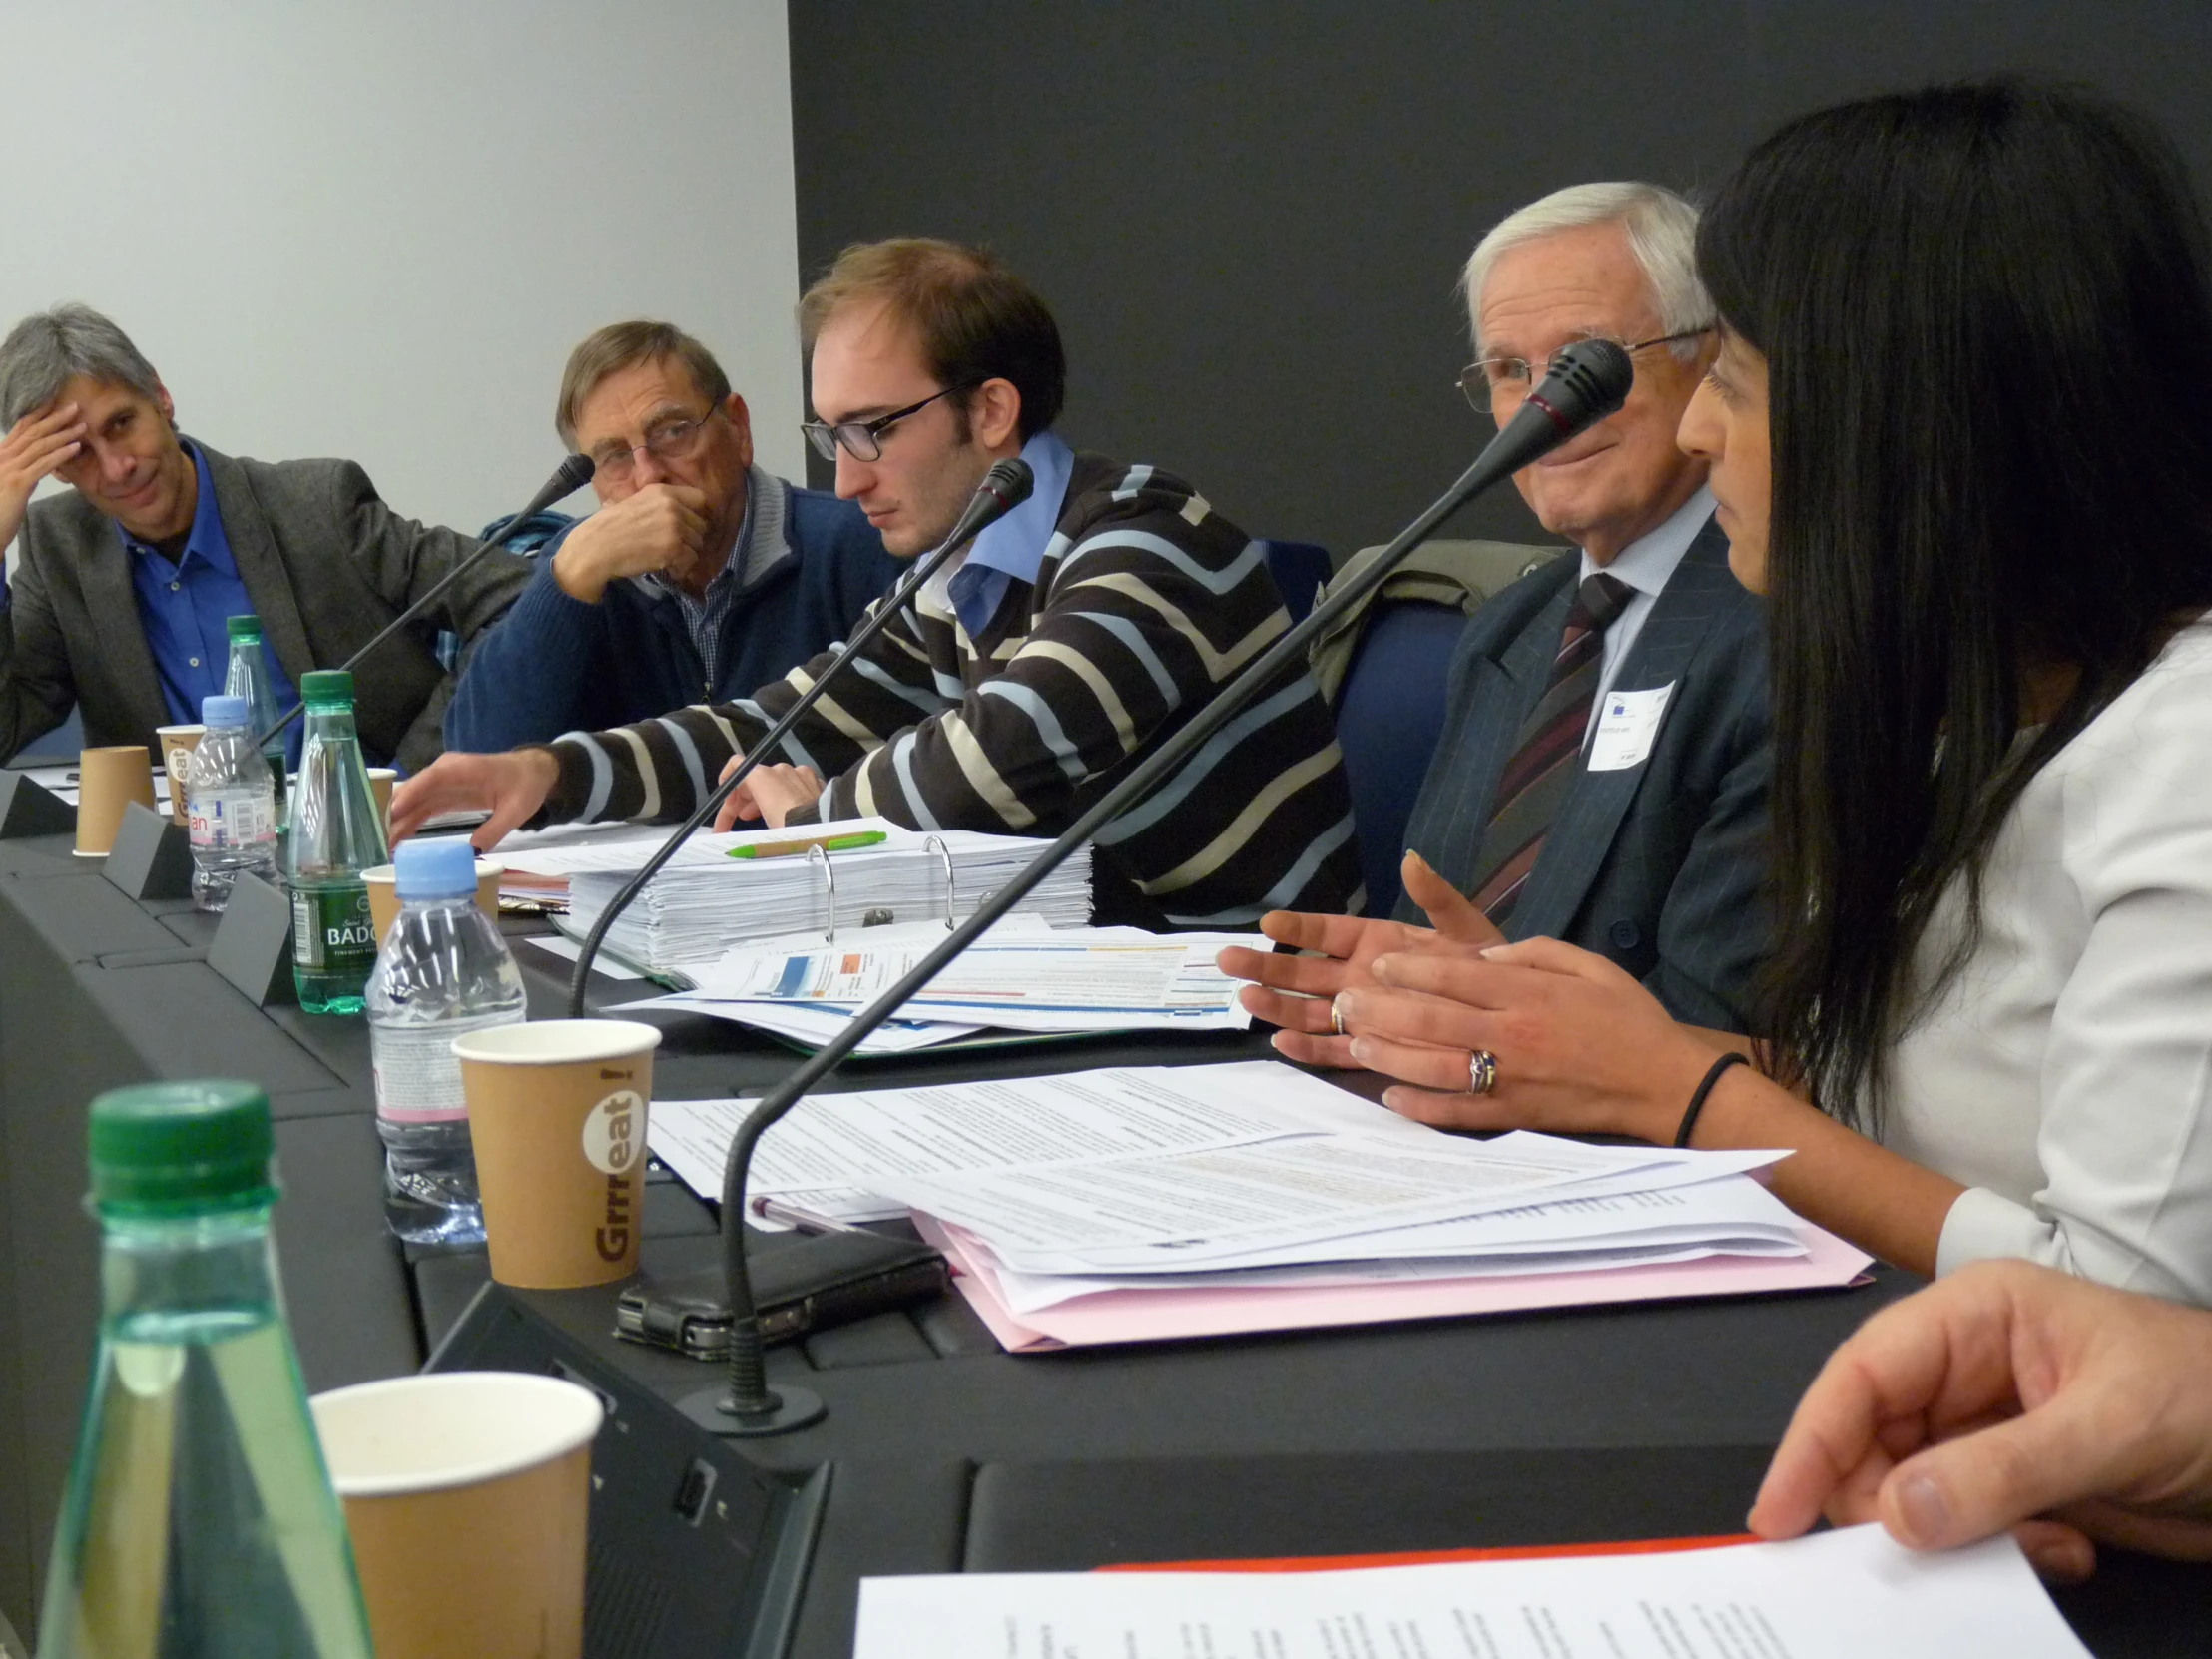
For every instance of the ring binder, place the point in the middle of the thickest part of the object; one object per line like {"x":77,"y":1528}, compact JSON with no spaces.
{"x":819,"y":854}
{"x":936,"y":843}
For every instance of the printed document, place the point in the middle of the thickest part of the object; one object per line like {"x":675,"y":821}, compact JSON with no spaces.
{"x":1848,"y":1594}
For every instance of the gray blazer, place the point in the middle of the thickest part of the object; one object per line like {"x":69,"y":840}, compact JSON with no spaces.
{"x":1661,"y":867}
{"x":325,"y":563}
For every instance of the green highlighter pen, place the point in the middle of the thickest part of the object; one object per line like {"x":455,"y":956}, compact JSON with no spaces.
{"x":829,"y":844}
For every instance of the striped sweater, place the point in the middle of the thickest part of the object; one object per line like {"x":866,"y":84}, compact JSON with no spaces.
{"x":1145,"y":602}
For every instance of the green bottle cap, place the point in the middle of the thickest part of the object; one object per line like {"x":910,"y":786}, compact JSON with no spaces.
{"x":179,"y":1149}
{"x":328,"y":687}
{"x":245,"y":627}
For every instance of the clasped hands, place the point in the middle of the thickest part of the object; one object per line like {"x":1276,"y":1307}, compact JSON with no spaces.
{"x":1581,"y":1047}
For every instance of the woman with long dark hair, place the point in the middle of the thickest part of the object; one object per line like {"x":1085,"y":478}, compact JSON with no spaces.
{"x":1961,"y":434}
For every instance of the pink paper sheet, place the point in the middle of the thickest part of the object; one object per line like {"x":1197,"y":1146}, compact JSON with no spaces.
{"x":1165,"y":1316}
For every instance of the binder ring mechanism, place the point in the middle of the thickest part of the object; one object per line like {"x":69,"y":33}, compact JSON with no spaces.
{"x":818,"y":857}
{"x":936,"y":843}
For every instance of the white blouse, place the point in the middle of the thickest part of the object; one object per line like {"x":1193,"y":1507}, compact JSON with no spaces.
{"x":2064,"y":1074}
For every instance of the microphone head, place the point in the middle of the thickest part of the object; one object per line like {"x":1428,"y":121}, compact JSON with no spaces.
{"x":1587,"y":382}
{"x":574,"y":473}
{"x":1011,"y":480}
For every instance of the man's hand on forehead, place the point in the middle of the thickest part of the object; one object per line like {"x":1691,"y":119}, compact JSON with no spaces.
{"x":36,"y":446}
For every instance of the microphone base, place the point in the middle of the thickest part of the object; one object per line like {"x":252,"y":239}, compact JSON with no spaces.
{"x":794,"y":1409}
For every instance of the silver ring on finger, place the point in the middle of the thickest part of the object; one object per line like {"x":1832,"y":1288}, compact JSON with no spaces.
{"x":1481,"y":1071}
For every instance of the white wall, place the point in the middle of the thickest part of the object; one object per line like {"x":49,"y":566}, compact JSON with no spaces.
{"x":375,"y":228}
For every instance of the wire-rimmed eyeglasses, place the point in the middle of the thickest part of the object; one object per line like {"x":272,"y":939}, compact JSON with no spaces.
{"x":669,"y":440}
{"x":1490,"y":382}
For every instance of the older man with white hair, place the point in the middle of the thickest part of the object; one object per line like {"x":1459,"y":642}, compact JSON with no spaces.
{"x":1603,"y":773}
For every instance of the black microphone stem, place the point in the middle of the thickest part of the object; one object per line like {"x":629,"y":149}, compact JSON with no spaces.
{"x":574,"y":473}
{"x":870,"y":626}
{"x":1006,"y":485}
{"x":750,"y":1406}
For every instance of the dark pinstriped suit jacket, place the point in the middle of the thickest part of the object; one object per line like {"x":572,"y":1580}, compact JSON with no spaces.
{"x":1660,"y":866}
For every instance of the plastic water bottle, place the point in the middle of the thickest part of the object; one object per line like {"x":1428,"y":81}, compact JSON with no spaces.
{"x":198,"y":1516}
{"x":246,"y":675}
{"x":232,"y":804}
{"x":336,"y":834}
{"x":444,"y":972}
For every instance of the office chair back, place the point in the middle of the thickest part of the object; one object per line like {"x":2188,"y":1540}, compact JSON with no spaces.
{"x":1390,"y":714}
{"x":1298,"y":568}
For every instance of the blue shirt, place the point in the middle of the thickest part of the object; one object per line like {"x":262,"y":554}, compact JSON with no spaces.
{"x":185,"y":607}
{"x":1012,"y":550}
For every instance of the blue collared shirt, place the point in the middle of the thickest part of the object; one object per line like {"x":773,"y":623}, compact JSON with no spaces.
{"x":185,"y":607}
{"x":760,"y":548}
{"x":1012,"y":550}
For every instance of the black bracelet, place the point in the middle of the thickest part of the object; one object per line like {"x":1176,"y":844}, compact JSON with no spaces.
{"x":1697,"y":1101}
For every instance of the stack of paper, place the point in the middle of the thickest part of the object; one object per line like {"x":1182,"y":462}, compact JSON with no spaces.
{"x":705,"y":900}
{"x":1122,"y":1205}
{"x":1023,"y":976}
{"x":1835,"y":1595}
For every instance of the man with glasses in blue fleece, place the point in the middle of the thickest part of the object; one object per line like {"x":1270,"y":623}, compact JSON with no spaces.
{"x":700,"y":577}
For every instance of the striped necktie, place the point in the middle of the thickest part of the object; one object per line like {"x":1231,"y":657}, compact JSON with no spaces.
{"x":1548,"y":751}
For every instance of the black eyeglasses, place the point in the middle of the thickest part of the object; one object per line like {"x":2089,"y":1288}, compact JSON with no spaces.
{"x":1496,"y":380}
{"x":670,"y":440}
{"x":864,"y":439}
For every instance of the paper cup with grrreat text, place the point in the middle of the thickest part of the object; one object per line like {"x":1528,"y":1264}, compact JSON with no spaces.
{"x":383,"y":894}
{"x":466,"y":1495}
{"x":109,"y":779}
{"x":556,"y":1112}
{"x":177,"y":742}
{"x":381,"y":781}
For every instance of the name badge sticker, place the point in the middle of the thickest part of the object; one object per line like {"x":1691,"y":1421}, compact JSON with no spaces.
{"x":1627,"y":725}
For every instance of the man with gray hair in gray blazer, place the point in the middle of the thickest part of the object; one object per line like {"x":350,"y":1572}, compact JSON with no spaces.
{"x":1602,"y":772}
{"x":121,"y":590}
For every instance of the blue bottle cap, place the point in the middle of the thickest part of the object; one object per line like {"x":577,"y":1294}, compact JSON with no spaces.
{"x":222,"y":711}
{"x":440,"y":868}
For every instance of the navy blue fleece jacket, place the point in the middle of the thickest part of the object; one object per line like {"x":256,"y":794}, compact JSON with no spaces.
{"x":554,"y":664}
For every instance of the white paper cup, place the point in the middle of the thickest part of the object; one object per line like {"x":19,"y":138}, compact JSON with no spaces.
{"x":177,"y":742}
{"x":467,"y":1495}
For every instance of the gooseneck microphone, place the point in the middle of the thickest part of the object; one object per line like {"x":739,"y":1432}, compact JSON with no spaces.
{"x":1586,"y":382}
{"x":1005,"y":487}
{"x":569,"y":477}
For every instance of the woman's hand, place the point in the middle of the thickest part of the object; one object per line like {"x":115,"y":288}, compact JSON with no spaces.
{"x":1294,"y":992}
{"x":1580,"y":1046}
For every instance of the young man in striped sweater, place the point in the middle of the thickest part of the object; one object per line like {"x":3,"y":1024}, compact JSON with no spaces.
{"x":1072,"y":635}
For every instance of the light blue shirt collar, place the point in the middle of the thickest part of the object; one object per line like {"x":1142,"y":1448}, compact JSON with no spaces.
{"x":1012,"y":549}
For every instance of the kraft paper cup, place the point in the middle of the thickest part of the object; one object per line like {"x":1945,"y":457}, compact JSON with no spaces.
{"x":557,"y":1114}
{"x":109,"y":779}
{"x":380,"y":782}
{"x":467,"y":1494}
{"x":383,"y":895}
{"x":177,"y":742}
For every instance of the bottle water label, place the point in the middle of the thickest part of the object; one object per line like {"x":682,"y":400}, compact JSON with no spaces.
{"x":332,"y":932}
{"x":232,"y":820}
{"x":418,"y":1077}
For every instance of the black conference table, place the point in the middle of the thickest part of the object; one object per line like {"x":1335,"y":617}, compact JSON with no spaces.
{"x":948,"y":1454}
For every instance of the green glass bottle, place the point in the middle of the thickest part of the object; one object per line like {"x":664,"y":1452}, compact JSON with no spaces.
{"x":198,"y":1517}
{"x":335,"y":835}
{"x":246,"y":675}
